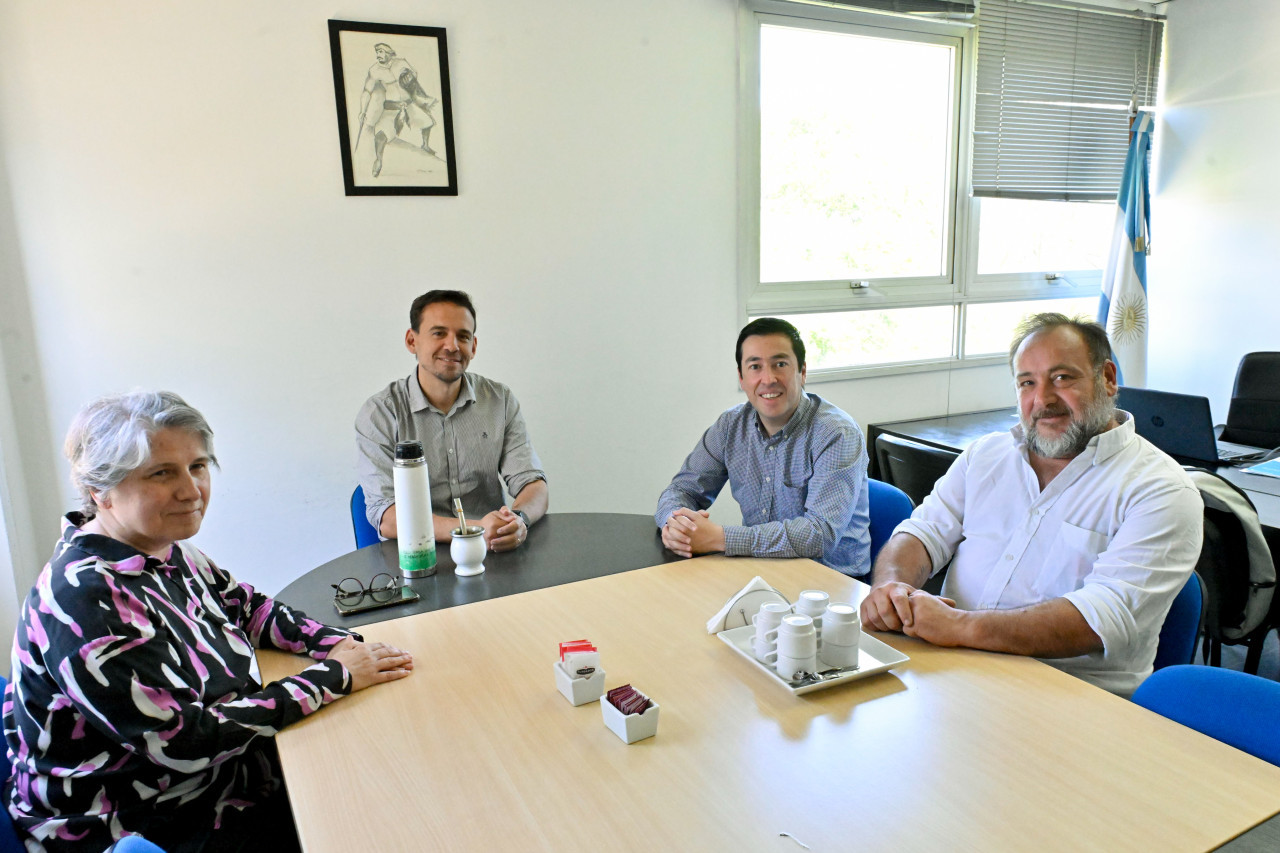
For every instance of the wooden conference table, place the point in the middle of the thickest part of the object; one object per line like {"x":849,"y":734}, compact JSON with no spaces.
{"x":955,"y":749}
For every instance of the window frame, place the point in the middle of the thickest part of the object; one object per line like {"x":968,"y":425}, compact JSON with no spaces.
{"x":960,"y":284}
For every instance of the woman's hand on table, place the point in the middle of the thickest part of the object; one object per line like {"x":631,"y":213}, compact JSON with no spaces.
{"x":371,"y":663}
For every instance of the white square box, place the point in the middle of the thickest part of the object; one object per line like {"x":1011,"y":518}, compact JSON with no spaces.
{"x":630,"y":727}
{"x":579,"y":691}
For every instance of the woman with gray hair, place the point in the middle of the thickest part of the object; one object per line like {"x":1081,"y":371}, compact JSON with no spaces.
{"x":135,"y":705}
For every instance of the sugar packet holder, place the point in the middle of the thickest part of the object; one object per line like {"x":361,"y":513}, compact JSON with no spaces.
{"x":629,"y":714}
{"x":579,"y":676}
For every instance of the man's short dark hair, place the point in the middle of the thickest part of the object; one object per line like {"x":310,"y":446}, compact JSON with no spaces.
{"x":771,"y":326}
{"x":1095,"y":337}
{"x":454,"y":297}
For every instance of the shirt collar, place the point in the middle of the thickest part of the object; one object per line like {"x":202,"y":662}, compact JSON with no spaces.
{"x":418,"y":398}
{"x":1117,"y":438}
{"x":1102,"y":446}
{"x":799,"y":419}
{"x":123,"y":557}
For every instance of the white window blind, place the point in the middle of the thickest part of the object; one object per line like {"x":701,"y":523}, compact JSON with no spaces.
{"x":1053,"y":89}
{"x":941,"y":8}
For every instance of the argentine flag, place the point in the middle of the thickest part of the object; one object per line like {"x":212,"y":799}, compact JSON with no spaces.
{"x":1123,"y":308}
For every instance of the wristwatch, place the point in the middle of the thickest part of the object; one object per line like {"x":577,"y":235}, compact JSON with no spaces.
{"x":524,"y":517}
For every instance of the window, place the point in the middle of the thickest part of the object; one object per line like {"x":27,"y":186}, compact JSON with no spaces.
{"x":839,"y":339}
{"x":855,"y":180}
{"x":988,"y":327}
{"x":1021,"y":236}
{"x":859,"y":224}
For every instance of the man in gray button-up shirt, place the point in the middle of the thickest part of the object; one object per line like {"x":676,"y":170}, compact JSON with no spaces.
{"x":470,"y":427}
{"x":797,"y":465}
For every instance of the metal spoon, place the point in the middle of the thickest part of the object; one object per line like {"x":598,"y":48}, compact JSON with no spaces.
{"x":824,"y":675}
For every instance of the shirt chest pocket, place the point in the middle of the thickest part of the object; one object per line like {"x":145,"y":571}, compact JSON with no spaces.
{"x":484,"y":450}
{"x":1070,"y":559}
{"x":795,"y":489}
{"x":476,"y":454}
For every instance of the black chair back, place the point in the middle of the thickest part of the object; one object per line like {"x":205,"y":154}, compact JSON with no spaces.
{"x":1237,"y":569}
{"x":911,"y":466}
{"x":1224,"y":567}
{"x":1254,"y":415}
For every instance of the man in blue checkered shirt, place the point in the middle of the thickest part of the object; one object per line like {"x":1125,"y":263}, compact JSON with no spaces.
{"x":797,"y":466}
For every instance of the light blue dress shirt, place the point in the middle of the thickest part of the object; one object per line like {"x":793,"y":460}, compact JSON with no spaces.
{"x":803,"y":490}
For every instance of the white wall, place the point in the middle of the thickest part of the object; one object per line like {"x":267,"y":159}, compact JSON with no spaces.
{"x":1215,"y":220}
{"x":178,"y":222}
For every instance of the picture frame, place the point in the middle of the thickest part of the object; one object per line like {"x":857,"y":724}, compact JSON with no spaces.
{"x":395,"y":114}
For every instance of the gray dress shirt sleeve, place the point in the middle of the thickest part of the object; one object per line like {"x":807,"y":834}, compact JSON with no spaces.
{"x":520,"y":465}
{"x":375,"y":448}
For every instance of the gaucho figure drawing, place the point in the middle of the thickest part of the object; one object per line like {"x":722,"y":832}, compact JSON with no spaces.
{"x":394,"y":107}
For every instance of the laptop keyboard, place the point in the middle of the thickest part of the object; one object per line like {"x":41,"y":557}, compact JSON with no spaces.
{"x":1228,"y":450}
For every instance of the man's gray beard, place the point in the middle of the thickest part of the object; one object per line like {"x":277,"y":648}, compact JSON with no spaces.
{"x":1093,"y":421}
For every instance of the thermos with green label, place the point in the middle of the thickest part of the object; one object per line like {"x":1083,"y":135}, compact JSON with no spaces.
{"x":415,"y":529}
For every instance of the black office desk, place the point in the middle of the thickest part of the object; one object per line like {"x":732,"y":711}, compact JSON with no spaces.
{"x":561,"y":548}
{"x":949,"y":432}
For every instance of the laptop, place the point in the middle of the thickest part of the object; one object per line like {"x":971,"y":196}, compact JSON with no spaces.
{"x":1182,"y":426}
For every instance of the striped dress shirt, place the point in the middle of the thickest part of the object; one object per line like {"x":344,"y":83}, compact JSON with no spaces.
{"x":472,"y":450}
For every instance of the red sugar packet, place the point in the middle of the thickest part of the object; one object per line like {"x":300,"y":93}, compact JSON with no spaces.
{"x":635,"y":704}
{"x":576,"y":646}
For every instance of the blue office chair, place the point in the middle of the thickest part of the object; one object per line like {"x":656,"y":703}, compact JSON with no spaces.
{"x":9,"y":842}
{"x":365,"y":532}
{"x":888,"y":506}
{"x":1182,"y":626}
{"x":134,"y":844}
{"x":1236,"y":708}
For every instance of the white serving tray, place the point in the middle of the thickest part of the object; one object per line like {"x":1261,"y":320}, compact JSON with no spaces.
{"x":873,"y":657}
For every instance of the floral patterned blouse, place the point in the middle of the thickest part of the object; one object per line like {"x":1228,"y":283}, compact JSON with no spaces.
{"x":136,"y":695}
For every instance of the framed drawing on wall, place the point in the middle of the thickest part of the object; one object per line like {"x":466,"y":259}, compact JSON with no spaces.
{"x":395,"y":117}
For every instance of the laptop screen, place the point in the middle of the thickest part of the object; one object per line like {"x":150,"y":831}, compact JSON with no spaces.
{"x":1178,"y":424}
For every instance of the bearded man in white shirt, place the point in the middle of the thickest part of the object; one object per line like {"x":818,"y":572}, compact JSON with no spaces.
{"x":1067,"y":537}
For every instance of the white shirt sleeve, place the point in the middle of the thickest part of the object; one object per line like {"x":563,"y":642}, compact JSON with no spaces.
{"x":1128,"y":593}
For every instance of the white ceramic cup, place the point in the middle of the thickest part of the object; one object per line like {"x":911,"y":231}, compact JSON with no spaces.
{"x":837,"y":657}
{"x":797,"y":638}
{"x":813,"y":603}
{"x":768,"y":617}
{"x":788,"y":667}
{"x":765,"y":644}
{"x":766,"y":622}
{"x":841,"y":625}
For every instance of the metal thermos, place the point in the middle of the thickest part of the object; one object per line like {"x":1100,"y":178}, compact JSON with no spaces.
{"x":415,"y":531}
